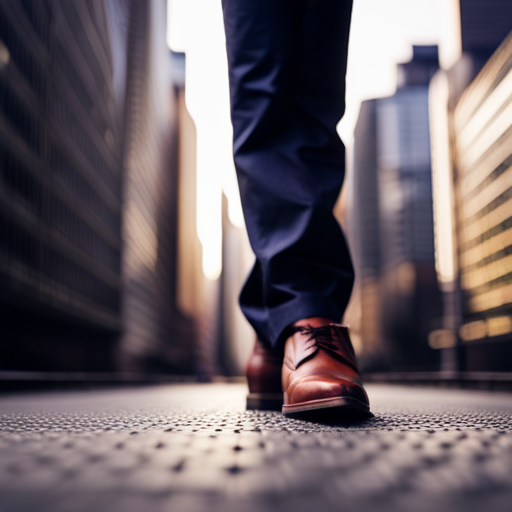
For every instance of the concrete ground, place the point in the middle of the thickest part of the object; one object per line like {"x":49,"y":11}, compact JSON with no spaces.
{"x":194,"y":448}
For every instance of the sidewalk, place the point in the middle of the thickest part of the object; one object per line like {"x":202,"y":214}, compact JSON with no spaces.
{"x":193,"y":447}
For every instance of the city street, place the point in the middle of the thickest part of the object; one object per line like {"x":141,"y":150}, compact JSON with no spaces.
{"x":194,"y":447}
{"x":197,"y":189}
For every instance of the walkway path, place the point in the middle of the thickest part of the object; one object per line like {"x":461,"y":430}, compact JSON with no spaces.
{"x":194,"y":448}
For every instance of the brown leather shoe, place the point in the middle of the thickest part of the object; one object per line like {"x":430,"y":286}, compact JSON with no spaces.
{"x":264,"y":378}
{"x":320,"y":371}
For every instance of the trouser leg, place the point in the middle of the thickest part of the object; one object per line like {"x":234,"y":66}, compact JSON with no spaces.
{"x":287,"y":64}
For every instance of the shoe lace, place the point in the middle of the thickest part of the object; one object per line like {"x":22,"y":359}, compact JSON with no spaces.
{"x":325,"y":338}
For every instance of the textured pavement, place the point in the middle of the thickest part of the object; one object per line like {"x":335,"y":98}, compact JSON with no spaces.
{"x":194,"y":448}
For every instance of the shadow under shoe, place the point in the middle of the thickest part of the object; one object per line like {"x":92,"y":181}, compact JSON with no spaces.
{"x":264,"y":379}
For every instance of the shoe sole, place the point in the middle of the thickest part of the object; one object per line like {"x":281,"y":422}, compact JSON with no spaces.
{"x":340,"y":407}
{"x":265,"y":401}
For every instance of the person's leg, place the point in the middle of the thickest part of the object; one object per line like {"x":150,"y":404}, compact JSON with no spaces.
{"x":287,"y":63}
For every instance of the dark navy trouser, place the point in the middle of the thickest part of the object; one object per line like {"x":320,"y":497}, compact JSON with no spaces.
{"x":287,"y":63}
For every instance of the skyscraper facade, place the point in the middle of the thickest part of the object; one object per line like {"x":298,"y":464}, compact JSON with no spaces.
{"x":88,"y":207}
{"x":61,"y":168}
{"x":470,"y":124}
{"x":393,"y":220}
{"x":482,"y":123}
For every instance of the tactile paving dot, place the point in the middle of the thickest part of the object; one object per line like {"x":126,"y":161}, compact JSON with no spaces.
{"x":155,"y":450}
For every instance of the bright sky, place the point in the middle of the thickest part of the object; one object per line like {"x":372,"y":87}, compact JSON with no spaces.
{"x":382,"y":34}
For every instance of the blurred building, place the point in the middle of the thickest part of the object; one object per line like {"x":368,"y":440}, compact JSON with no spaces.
{"x":391,"y":225}
{"x":474,"y":157}
{"x":156,"y":335}
{"x":88,"y":208}
{"x":61,"y":166}
{"x":197,"y":296}
{"x":363,"y":229}
{"x":467,"y":143}
{"x":484,"y":25}
{"x":237,"y":337}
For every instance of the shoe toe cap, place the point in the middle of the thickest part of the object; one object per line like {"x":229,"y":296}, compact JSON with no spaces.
{"x":308,"y":389}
